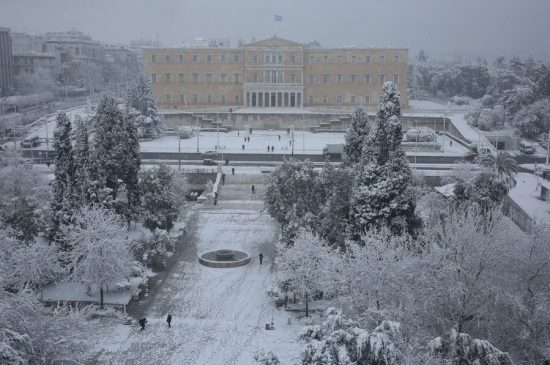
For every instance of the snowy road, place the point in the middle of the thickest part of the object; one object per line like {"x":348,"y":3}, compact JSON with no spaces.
{"x":219,"y":315}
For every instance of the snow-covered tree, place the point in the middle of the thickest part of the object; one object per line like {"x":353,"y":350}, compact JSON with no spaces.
{"x":33,"y":334}
{"x":99,"y":252}
{"x":108,"y":144}
{"x":140,"y":98}
{"x":63,"y":184}
{"x":83,"y":164}
{"x":266,"y":358}
{"x":153,"y":247}
{"x":355,"y":136}
{"x":381,"y":193}
{"x":460,"y":348}
{"x":340,"y":341}
{"x":502,"y":166}
{"x":533,"y":119}
{"x":130,"y":167}
{"x":291,"y":192}
{"x":23,"y":219}
{"x":159,"y":204}
{"x":307,"y":265}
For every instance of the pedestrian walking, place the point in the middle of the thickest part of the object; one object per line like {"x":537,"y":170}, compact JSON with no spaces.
{"x":288,"y":131}
{"x":243,"y":147}
{"x":169,"y":319}
{"x":289,"y":142}
{"x":279,"y":137}
{"x":451,"y":142}
{"x":261,"y":257}
{"x":216,"y":201}
{"x":226,"y":162}
{"x":142,"y":323}
{"x":272,"y":148}
{"x":223,"y":178}
{"x":238,"y":133}
{"x":233,"y":171}
{"x":267,"y":148}
{"x":252,"y":189}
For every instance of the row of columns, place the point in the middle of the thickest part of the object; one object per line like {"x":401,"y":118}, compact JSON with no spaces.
{"x":274,"y":99}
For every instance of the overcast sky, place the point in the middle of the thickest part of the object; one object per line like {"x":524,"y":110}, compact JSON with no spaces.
{"x":444,"y":28}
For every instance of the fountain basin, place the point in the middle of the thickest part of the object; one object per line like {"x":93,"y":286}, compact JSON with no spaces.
{"x":224,"y":258}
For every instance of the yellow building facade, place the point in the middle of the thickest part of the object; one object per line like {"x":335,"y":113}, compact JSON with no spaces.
{"x":274,"y":73}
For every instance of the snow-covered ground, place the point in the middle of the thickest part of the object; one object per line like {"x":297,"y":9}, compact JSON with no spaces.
{"x":47,"y":128}
{"x":232,"y":142}
{"x":219,"y":315}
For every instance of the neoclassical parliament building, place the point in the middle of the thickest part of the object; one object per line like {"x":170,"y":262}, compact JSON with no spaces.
{"x":274,"y":72}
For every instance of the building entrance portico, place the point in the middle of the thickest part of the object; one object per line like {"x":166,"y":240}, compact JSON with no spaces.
{"x":285,"y":97}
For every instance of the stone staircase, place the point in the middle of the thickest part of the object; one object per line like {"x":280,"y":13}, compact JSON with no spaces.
{"x":237,"y":192}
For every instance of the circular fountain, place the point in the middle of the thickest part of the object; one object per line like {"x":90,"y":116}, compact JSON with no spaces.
{"x":224,"y":258}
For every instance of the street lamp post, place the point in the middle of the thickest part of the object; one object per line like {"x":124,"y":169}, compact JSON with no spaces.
{"x":179,"y":153}
{"x":198,"y":132}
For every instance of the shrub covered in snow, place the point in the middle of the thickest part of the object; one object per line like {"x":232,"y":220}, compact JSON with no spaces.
{"x":266,"y":358}
{"x":460,"y":348}
{"x":339,"y":341}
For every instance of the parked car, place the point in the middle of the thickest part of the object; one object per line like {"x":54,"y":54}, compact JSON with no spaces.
{"x":470,"y":155}
{"x":526,"y":148}
{"x":333,"y":150}
{"x":209,"y":154}
{"x":31,"y":142}
{"x":209,"y":162}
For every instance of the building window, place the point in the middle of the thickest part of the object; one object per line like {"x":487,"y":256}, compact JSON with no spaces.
{"x":396,"y":79}
{"x":366,"y":100}
{"x":153,"y":58}
{"x":237,"y":99}
{"x":181,"y":59}
{"x":153,"y":78}
{"x":381,"y":79}
{"x":237,"y":58}
{"x":340,"y":59}
{"x":382,"y":59}
{"x":237,"y":78}
{"x":367,"y":78}
{"x":254,"y":77}
{"x":367,"y":59}
{"x":293,"y":58}
{"x":324,"y":79}
{"x":325,"y":59}
{"x":396,"y":59}
{"x":181,"y":78}
{"x":280,"y":58}
{"x":222,"y":100}
{"x":293,"y":77}
{"x":209,"y":78}
{"x":352,"y":99}
{"x":223,"y":78}
{"x":208,"y":58}
{"x":324,"y":99}
{"x":311,"y":99}
{"x":338,"y":99}
{"x":195,"y":58}
{"x":182,"y":99}
{"x":255,"y":59}
{"x":167,"y":98}
{"x":266,"y":77}
{"x":354,"y":60}
{"x":280,"y":77}
{"x":380,"y":99}
{"x":195,"y":98}
{"x":209,"y":98}
{"x":311,"y":79}
{"x":311,"y":59}
{"x":167,"y":58}
{"x":222,"y":58}
{"x":354,"y":79}
{"x":340,"y":79}
{"x":195,"y":78}
{"x":167,"y":77}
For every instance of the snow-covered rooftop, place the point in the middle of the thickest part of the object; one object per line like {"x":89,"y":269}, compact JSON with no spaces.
{"x":526,"y":194}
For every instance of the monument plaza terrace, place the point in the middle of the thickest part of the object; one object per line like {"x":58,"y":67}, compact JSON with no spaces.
{"x":273,"y":72}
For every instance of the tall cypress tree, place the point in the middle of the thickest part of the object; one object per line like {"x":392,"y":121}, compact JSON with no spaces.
{"x":82,"y":164}
{"x":131,"y":165}
{"x":381,"y":193}
{"x":63,"y":184}
{"x":355,"y":137}
{"x":140,"y":97}
{"x":108,"y":146}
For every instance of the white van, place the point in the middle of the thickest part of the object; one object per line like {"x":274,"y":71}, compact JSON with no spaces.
{"x":526,"y":148}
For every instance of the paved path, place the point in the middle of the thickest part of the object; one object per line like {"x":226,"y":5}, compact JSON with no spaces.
{"x":219,"y":315}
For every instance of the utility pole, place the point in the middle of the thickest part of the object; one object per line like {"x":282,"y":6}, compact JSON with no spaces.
{"x":198,"y":132}
{"x":179,"y":153}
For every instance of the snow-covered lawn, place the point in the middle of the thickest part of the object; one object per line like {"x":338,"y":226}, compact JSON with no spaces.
{"x":219,"y":315}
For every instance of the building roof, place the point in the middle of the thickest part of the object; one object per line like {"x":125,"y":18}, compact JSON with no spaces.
{"x":274,"y":42}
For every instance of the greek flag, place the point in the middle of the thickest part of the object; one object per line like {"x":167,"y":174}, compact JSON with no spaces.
{"x":278,"y":18}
